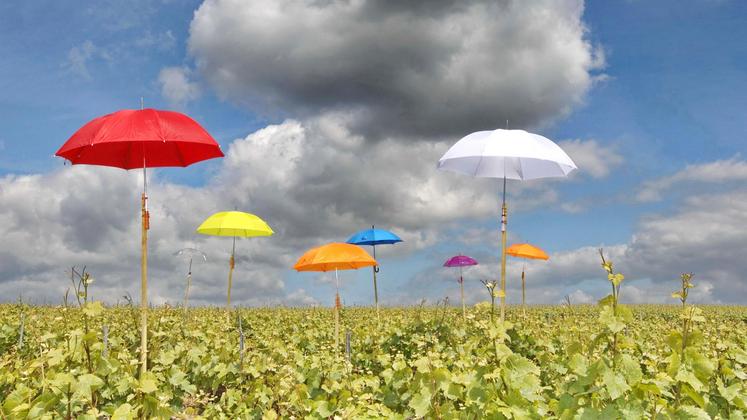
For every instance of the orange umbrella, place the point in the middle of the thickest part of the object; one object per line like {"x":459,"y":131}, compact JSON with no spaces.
{"x":526,"y":251}
{"x":335,"y":256}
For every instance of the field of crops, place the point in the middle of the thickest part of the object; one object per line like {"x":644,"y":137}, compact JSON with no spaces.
{"x":562,"y":361}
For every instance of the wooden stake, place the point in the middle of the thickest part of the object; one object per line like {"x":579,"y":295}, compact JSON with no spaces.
{"x":231,"y":264}
{"x":504,"y":219}
{"x":144,"y":284}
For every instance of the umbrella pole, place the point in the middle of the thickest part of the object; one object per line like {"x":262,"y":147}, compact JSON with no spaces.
{"x":461,"y":286}
{"x":376,"y":290}
{"x":144,"y":278}
{"x":523,"y":295}
{"x":337,"y":311}
{"x":186,"y":292}
{"x":231,"y":264}
{"x":504,"y":222}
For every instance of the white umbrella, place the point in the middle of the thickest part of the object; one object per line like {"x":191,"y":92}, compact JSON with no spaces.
{"x":192,"y":253}
{"x":507,"y":154}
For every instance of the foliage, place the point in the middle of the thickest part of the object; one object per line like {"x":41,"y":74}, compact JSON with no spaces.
{"x":420,"y":362}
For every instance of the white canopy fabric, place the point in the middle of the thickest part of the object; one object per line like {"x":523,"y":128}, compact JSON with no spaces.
{"x":513,"y":154}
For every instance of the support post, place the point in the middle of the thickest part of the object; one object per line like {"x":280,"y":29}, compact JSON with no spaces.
{"x":337,"y":312}
{"x":461,"y":287}
{"x":523,"y":294}
{"x":376,"y":290}
{"x":231,"y":264}
{"x":504,"y":219}
{"x":144,"y":282}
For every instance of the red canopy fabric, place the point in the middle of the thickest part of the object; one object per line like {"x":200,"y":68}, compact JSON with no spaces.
{"x":131,"y":139}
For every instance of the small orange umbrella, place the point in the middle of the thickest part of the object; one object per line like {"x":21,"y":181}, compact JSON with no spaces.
{"x":526,"y":251}
{"x":335,"y":256}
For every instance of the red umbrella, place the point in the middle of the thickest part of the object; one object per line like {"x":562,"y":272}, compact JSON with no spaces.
{"x":131,"y":139}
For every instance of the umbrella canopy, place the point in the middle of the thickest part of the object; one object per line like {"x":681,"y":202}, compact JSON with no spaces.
{"x":510,"y":154}
{"x":527,"y":251}
{"x":130,"y":139}
{"x":191,"y":253}
{"x":460,"y":261}
{"x":334,"y":256}
{"x":374,"y":237}
{"x":235,"y":223}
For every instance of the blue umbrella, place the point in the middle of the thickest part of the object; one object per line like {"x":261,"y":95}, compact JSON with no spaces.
{"x":374,"y":237}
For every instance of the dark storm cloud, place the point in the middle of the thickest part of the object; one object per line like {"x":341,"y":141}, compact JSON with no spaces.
{"x":419,"y":69}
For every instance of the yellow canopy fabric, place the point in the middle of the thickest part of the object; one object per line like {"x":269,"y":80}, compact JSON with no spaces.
{"x":527,"y":251}
{"x":235,"y":223}
{"x":334,"y":256}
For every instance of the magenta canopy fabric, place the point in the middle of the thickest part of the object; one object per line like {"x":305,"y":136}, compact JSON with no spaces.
{"x":460,"y":261}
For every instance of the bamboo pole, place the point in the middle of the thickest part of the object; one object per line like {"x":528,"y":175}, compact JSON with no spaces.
{"x":504,"y":222}
{"x":186,"y":292}
{"x":231,"y":264}
{"x":144,"y":279}
{"x":461,"y":287}
{"x":523,"y":294}
{"x":337,"y":312}
{"x":376,"y":290}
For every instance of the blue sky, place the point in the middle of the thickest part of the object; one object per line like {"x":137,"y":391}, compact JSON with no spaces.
{"x":669,"y":94}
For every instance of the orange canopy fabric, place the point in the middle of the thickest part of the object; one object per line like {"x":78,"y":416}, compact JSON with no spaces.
{"x":527,"y":251}
{"x":333,"y":256}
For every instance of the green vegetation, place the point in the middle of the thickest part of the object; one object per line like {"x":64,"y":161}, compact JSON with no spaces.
{"x":421,"y":362}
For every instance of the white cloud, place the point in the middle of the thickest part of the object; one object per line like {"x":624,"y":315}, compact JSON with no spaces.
{"x":416,"y":68}
{"x":718,"y":172}
{"x":176,"y":87}
{"x":591,"y":157}
{"x":313,"y":181}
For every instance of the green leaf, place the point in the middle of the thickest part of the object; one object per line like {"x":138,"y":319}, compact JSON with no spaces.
{"x":630,"y":369}
{"x":615,"y":384}
{"x":323,"y":408}
{"x":421,"y":402}
{"x":616,"y":279}
{"x":93,"y":309}
{"x":606,"y":301}
{"x":87,"y":383}
{"x":687,"y":376}
{"x":123,"y":412}
{"x":689,"y":412}
{"x":578,"y":364}
{"x":148,"y":384}
{"x":609,"y":320}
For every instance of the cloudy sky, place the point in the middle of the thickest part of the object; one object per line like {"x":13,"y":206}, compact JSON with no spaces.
{"x":332,"y":115}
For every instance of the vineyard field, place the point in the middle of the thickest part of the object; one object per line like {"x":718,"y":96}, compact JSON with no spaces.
{"x":579,"y":361}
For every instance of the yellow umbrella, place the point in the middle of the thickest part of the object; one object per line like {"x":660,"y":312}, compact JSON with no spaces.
{"x":335,"y":256}
{"x":526,"y":251}
{"x":235,"y":224}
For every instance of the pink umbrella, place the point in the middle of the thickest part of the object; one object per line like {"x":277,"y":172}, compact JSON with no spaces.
{"x":461,"y":261}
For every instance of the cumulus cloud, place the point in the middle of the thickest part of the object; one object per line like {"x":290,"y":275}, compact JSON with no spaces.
{"x":592,"y":157}
{"x":726,"y":171}
{"x":419,"y":69}
{"x":313,"y":181}
{"x":176,"y":86}
{"x":316,"y":181}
